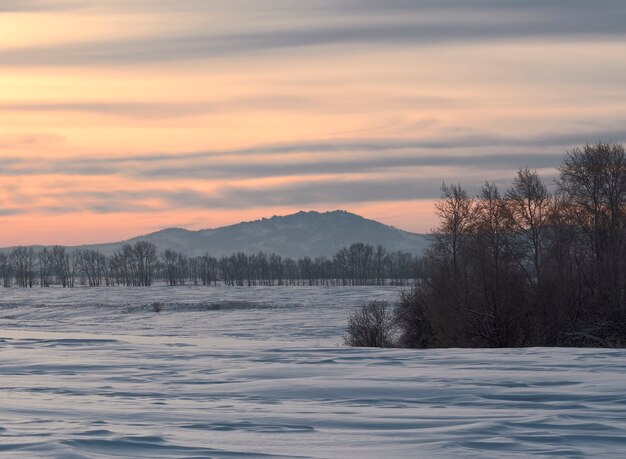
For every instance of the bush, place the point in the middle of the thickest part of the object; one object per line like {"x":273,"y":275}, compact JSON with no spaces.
{"x":412,"y":321}
{"x":372,"y":325}
{"x":157,"y":306}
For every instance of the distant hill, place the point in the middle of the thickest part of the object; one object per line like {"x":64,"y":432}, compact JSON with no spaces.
{"x":297,"y":235}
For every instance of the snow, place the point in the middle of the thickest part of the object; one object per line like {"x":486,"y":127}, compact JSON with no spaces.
{"x":97,"y":373}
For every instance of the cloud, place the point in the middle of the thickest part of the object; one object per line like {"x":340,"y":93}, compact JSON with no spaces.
{"x":479,"y":150}
{"x":13,"y":6}
{"x":175,"y":196}
{"x":342,"y":171}
{"x":124,"y":109}
{"x":302,"y":194}
{"x":364,"y":24}
{"x":307,"y":193}
{"x":30,"y":140}
{"x":25,"y":166}
{"x":247,"y":169}
{"x":154,"y":110}
{"x":11,"y":212}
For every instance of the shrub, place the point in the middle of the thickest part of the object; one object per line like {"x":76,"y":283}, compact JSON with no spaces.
{"x":412,"y":321}
{"x":372,"y":325}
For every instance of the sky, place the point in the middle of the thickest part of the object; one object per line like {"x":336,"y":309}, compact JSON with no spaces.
{"x":119,"y":118}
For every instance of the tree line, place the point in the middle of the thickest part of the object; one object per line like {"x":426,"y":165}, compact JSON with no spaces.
{"x":141,"y":265}
{"x":532,"y":266}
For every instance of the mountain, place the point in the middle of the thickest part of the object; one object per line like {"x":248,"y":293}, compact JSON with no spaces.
{"x":297,"y":235}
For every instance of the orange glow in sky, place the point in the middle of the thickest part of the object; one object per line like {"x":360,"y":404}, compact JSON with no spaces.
{"x":122,"y":118}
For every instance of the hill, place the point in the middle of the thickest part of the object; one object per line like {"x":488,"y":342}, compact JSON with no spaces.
{"x":297,"y":235}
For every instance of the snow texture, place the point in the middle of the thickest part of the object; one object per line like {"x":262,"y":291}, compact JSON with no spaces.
{"x":97,"y":373}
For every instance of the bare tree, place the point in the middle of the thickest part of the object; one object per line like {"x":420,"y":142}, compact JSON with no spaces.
{"x":6,"y":270}
{"x":593,"y":182}
{"x":454,"y":209}
{"x":145,"y":260}
{"x":44,"y":258}
{"x":23,"y":259}
{"x":530,"y":205}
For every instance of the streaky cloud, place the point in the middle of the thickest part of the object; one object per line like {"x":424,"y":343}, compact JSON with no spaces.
{"x":455,"y":23}
{"x":156,"y":110}
{"x":499,"y":152}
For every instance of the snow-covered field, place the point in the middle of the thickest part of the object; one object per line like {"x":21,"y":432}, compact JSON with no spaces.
{"x":98,"y":373}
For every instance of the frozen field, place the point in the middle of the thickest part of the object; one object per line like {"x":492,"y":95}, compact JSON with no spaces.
{"x":97,"y":373}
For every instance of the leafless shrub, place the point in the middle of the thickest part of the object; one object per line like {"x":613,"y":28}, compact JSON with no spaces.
{"x":372,"y":325}
{"x":412,"y":319}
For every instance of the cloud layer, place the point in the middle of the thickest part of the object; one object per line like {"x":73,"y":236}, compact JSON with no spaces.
{"x":137,"y":115}
{"x":380,"y":24}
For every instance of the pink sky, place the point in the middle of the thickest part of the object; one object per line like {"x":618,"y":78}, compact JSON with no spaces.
{"x":119,"y":120}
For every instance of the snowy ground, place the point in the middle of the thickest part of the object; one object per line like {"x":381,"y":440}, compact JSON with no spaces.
{"x":98,"y":373}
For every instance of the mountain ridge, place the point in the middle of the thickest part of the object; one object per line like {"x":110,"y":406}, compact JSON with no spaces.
{"x":305,"y":233}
